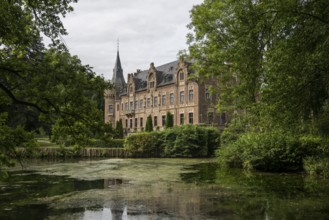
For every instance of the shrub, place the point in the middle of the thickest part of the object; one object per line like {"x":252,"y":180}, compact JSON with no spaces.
{"x":169,"y":120}
{"x":184,"y":141}
{"x":144,"y":144}
{"x":190,"y":141}
{"x":107,"y":143}
{"x":149,"y":124}
{"x":268,"y":151}
{"x":317,"y":166}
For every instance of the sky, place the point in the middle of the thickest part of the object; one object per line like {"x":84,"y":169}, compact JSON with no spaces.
{"x":148,"y":31}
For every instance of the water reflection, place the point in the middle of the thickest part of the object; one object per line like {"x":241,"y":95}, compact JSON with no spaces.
{"x":161,"y":189}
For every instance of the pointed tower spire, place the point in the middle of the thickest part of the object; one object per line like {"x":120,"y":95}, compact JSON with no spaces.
{"x":118,"y":78}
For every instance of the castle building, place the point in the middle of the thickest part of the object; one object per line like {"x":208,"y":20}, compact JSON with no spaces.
{"x":156,"y":91}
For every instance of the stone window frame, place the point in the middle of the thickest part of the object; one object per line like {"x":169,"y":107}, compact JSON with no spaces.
{"x":141,"y":122}
{"x":155,"y":121}
{"x":155,"y":101}
{"x":148,"y":102}
{"x":190,"y":117}
{"x":172,"y":98}
{"x":163,"y":120}
{"x":190,"y":96}
{"x":181,"y":76}
{"x":141,"y":104}
{"x":111,"y":109}
{"x":163,"y":100}
{"x":181,"y":97}
{"x":181,"y":118}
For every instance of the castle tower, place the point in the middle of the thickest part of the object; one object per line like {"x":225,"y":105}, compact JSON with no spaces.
{"x":111,"y":96}
{"x":117,"y":78}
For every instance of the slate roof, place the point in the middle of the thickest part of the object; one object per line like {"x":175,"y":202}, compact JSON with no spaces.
{"x":165,"y":75}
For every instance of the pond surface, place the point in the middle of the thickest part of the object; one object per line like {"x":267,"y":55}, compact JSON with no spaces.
{"x":158,"y":189}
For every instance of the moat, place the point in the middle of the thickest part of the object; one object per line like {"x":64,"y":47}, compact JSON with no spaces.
{"x":157,"y":189}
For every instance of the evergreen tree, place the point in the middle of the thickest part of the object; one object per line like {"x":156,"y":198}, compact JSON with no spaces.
{"x":119,"y":129}
{"x":149,"y":124}
{"x":169,"y":120}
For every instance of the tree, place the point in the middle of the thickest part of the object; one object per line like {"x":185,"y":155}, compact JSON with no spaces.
{"x":270,"y":58}
{"x":149,"y":124}
{"x":50,"y":85}
{"x":119,"y":129}
{"x":169,"y":120}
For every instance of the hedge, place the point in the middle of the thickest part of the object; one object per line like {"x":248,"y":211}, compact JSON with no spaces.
{"x":183,"y":141}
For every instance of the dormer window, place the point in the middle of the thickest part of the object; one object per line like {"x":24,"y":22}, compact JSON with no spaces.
{"x":181,"y":76}
{"x":151,"y":81}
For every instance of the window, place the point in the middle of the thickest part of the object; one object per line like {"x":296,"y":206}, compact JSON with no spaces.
{"x":126,"y":123}
{"x":207,"y":94}
{"x":181,"y":76}
{"x":155,"y":101}
{"x":131,"y":105}
{"x":181,"y":118}
{"x":155,"y":122}
{"x":141,"y":104}
{"x":126,"y":106}
{"x":163,"y":120}
{"x":171,"y":98}
{"x":131,"y":123}
{"x":136,"y":122}
{"x":148,"y":102}
{"x":190,"y":96}
{"x":111,"y":109}
{"x":152,"y":84}
{"x":118,"y":106}
{"x":135,"y":106}
{"x":141,"y":122}
{"x":181,"y":97}
{"x":163,"y":101}
{"x":190,"y":118}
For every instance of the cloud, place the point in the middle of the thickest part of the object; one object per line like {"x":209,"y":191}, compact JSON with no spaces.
{"x":149,"y":31}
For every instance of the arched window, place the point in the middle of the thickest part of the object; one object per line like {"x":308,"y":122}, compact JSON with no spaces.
{"x":181,"y":76}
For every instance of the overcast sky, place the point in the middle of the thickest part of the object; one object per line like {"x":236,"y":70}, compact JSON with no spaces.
{"x":148,"y":31}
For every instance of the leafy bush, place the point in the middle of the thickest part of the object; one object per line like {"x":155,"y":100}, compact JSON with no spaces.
{"x":317,"y":166}
{"x":190,"y":141}
{"x":268,"y":151}
{"x":144,"y":144}
{"x":184,"y":141}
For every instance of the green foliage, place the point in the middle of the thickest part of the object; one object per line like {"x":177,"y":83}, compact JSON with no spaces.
{"x":169,"y":120}
{"x":270,"y":60}
{"x":317,"y":166}
{"x":109,"y":143}
{"x":146,"y":144}
{"x":119,"y":129}
{"x":184,"y":141}
{"x":41,"y":87}
{"x":149,"y":124}
{"x":271,"y":55}
{"x":10,"y":138}
{"x":269,"y":151}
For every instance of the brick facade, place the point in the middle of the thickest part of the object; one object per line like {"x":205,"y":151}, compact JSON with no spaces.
{"x":155,"y":92}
